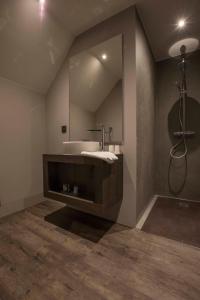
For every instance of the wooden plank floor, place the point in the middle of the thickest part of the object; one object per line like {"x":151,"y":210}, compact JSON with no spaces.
{"x":39,"y":260}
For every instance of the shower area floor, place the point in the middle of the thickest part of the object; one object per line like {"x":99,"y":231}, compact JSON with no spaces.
{"x":175,"y":219}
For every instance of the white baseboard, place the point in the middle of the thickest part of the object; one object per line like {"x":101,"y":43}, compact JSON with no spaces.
{"x":9,"y":208}
{"x":146,"y":213}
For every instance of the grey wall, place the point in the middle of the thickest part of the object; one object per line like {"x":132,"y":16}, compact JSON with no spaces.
{"x":22,"y":136}
{"x":167,"y":95}
{"x":57,"y":104}
{"x":110,"y":113}
{"x":145,"y":72}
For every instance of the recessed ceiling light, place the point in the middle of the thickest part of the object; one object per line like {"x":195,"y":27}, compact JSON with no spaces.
{"x":181,"y":23}
{"x":104,"y":56}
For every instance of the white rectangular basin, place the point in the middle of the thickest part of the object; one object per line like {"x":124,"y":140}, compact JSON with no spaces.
{"x":79,"y":146}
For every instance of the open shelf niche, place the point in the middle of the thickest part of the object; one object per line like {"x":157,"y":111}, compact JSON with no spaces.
{"x":84,"y":183}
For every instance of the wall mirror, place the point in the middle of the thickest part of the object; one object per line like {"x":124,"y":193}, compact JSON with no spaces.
{"x":96,"y":92}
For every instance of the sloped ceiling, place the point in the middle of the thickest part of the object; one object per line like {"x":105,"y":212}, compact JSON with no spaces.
{"x":33,"y":49}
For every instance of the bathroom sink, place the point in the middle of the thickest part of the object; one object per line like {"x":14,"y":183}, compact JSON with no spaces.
{"x":79,"y":146}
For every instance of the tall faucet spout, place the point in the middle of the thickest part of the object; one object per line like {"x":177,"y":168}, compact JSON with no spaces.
{"x":102,"y":138}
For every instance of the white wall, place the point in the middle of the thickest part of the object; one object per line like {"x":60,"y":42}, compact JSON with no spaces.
{"x":57,"y":112}
{"x":145,"y":70}
{"x":22,"y":143}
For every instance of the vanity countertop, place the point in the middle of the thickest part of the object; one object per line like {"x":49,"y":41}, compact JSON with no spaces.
{"x":77,"y":158}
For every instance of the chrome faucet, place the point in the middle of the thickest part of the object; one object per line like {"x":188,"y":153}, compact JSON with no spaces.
{"x":102,"y":130}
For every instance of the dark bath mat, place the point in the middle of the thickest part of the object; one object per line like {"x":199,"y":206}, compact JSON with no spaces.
{"x":82,"y":224}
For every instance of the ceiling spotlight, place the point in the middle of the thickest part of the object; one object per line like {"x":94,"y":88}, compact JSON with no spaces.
{"x":104,"y":56}
{"x":181,"y":23}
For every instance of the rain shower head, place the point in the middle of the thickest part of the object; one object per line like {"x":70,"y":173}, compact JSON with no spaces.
{"x":184,"y":46}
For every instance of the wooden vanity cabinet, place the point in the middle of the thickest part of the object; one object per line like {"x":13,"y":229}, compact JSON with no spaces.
{"x":99,"y":184}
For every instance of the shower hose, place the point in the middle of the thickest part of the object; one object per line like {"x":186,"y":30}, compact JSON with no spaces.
{"x":182,"y":142}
